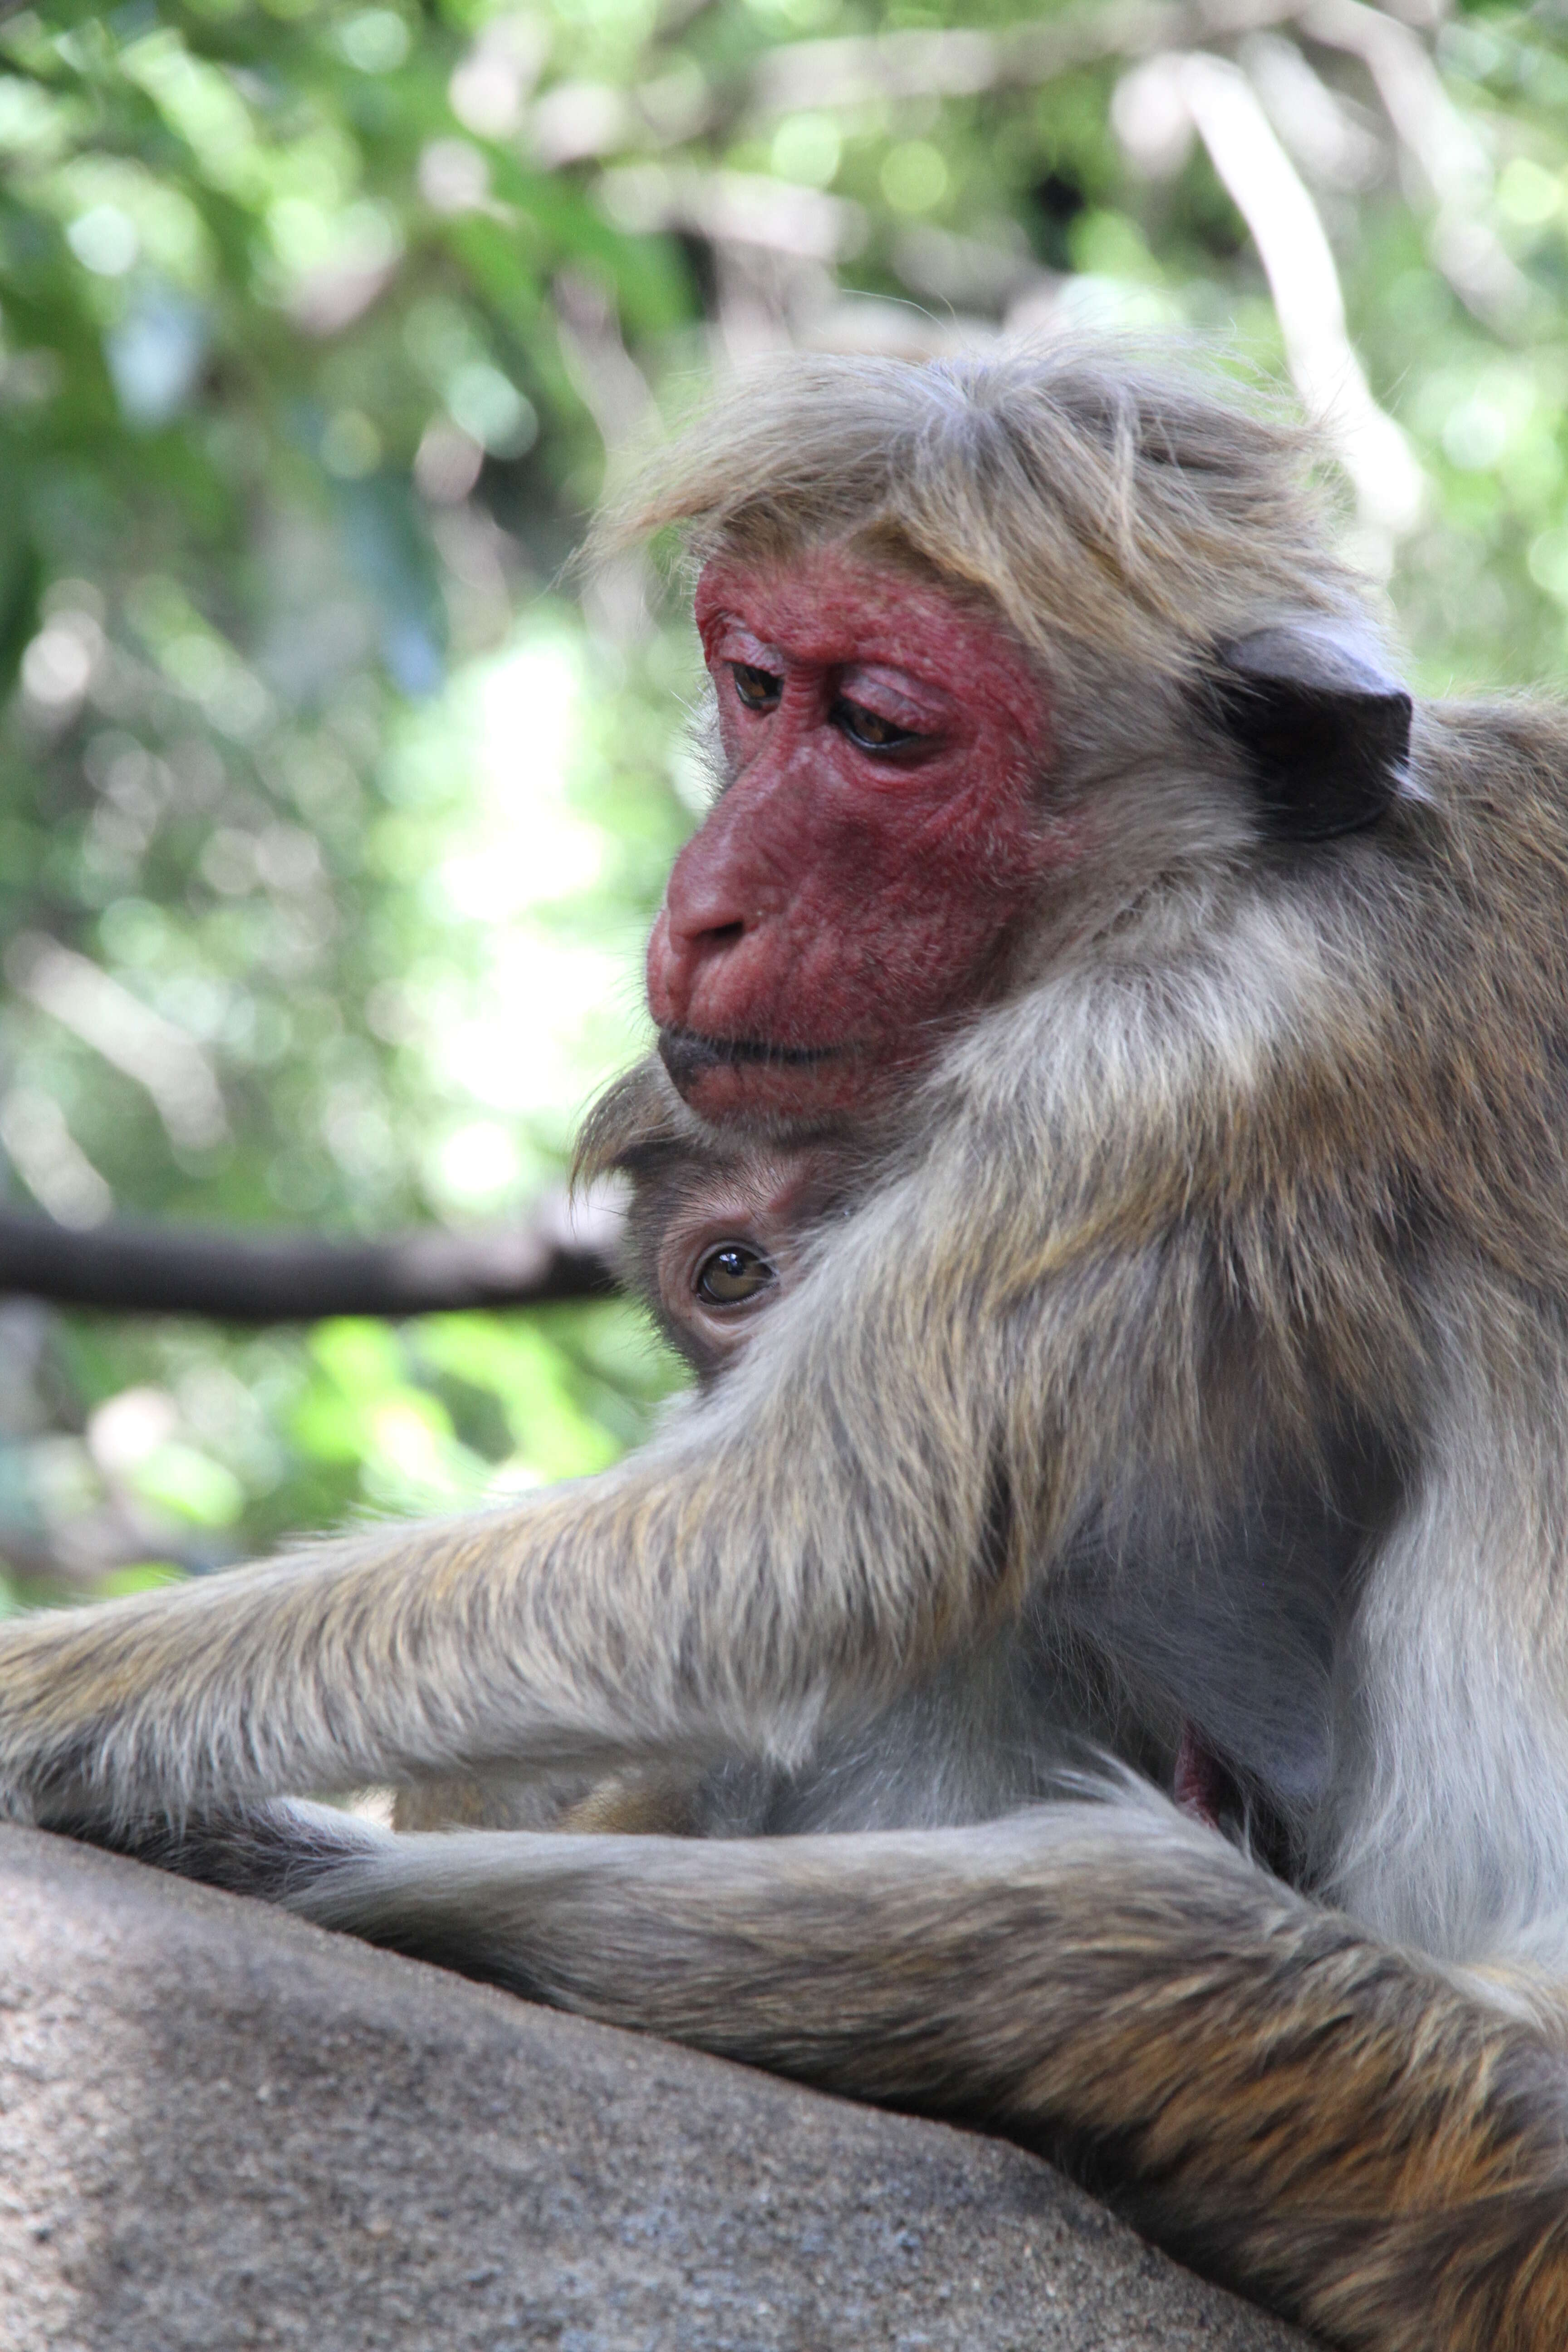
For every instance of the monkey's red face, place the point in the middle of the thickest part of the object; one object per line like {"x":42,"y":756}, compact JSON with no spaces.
{"x":881,"y":838}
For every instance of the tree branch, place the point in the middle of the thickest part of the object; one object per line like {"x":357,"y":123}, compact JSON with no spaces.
{"x":299,"y":1278}
{"x":1298,"y":263}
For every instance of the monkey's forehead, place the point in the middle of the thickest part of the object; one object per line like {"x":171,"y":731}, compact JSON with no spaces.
{"x":837,"y":606}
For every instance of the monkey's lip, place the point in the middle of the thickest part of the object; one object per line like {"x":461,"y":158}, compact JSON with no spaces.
{"x":686,"y":1054}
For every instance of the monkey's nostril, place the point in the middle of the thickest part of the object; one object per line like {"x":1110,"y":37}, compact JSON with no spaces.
{"x":721,"y":937}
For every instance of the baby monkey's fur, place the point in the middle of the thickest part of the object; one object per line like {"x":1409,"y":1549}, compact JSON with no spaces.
{"x":1187,"y":1367}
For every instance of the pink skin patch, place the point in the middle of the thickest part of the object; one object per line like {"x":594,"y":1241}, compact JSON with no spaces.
{"x":879,"y":841}
{"x":1201,"y":1784}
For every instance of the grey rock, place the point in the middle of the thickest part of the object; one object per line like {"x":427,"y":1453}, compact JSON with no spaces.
{"x":222,"y":2127}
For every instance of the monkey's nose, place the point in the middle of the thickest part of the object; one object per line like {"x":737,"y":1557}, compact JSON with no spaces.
{"x":710,"y":939}
{"x":710,"y":906}
{"x":707,"y":913}
{"x":685,"y":959}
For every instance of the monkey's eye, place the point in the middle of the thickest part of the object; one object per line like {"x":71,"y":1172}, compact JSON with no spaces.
{"x":732,"y":1274}
{"x":869,"y":727}
{"x":758,"y":688}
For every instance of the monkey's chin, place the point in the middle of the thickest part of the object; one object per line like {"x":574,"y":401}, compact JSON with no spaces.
{"x":742,"y":1081}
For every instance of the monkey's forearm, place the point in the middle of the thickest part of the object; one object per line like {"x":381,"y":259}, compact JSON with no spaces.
{"x":1328,"y":2124}
{"x":706,"y":1598}
{"x":819,"y":1533}
{"x":408,"y":1651}
{"x":602,"y":1622}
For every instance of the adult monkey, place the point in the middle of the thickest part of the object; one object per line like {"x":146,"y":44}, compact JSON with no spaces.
{"x":1194,"y":1375}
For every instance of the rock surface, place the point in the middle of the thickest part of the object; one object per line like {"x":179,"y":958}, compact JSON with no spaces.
{"x":222,"y":2127}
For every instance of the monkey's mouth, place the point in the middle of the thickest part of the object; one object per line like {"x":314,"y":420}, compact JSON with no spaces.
{"x":687,"y":1056}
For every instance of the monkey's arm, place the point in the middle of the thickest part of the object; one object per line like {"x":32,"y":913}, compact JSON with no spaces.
{"x":1329,"y":2123}
{"x":813,"y":1536}
{"x":905,"y":1447}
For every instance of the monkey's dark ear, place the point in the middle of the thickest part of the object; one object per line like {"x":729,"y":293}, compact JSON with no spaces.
{"x":1326,"y":730}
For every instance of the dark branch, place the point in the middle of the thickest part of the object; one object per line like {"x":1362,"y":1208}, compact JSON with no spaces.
{"x":297,"y":1278}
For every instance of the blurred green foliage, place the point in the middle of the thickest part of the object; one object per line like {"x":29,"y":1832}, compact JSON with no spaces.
{"x":331,"y":821}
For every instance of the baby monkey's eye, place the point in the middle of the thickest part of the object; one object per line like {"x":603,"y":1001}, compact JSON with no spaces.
{"x":731,"y":1274}
{"x":758,"y":688}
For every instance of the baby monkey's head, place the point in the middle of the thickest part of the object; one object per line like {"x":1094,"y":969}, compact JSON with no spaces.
{"x":715,"y":1228}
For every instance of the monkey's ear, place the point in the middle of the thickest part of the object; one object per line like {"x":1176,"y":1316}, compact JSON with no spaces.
{"x":1326,"y":730}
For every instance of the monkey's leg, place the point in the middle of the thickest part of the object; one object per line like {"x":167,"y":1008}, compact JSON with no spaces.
{"x":1335,"y":2127}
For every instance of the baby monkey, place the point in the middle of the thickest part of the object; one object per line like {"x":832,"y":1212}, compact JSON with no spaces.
{"x":715,"y":1229}
{"x":715,"y":1232}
